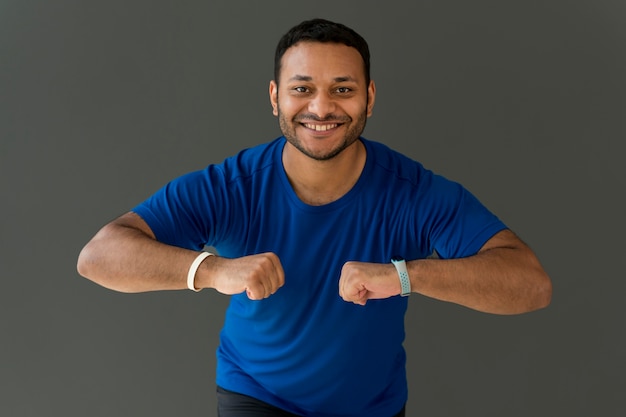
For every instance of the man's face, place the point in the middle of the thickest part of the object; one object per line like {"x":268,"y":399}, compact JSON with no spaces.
{"x":323,"y":101}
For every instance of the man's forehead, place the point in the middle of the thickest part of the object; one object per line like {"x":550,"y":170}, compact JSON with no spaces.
{"x":304,"y":60}
{"x":309,"y":47}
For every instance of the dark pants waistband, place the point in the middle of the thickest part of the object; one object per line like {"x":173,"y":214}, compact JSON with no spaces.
{"x":232,"y":404}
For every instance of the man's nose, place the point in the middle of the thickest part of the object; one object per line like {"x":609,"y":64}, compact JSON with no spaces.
{"x":322,"y":105}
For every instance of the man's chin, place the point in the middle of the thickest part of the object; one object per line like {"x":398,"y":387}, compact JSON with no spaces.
{"x":325,"y":154}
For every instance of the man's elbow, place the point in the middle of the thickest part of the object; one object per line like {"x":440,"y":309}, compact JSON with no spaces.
{"x":544,"y":292}
{"x":538,"y":284}
{"x":84,"y":264}
{"x":90,"y":265}
{"x":539,"y":294}
{"x":534,"y":294}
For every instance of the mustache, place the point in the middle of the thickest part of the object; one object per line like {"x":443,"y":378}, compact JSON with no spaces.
{"x":309,"y":117}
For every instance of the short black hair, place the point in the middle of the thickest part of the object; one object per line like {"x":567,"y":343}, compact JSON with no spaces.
{"x":324,"y":31}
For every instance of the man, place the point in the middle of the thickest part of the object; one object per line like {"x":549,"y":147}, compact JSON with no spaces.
{"x":306,"y":227}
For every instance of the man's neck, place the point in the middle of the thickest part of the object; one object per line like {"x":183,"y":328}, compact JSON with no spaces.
{"x":321,"y":182}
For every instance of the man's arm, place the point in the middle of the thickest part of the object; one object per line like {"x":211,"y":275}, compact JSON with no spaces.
{"x":504,"y":277}
{"x":125,"y":256}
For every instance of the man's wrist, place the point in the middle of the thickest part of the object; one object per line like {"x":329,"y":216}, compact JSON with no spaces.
{"x":204,"y":275}
{"x":403,"y":275}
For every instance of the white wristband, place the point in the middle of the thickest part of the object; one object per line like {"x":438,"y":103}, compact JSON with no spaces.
{"x":191,"y":275}
{"x":405,"y":283}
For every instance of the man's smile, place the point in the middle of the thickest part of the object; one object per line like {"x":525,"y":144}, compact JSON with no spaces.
{"x":320,"y":128}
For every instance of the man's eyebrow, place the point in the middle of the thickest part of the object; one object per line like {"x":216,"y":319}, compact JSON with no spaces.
{"x":342,"y":79}
{"x":301,"y":78}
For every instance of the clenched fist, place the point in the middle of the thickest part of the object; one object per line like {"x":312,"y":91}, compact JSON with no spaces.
{"x":258,"y":275}
{"x":362,"y":281}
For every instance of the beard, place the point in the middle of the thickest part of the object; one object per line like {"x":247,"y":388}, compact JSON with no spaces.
{"x":288,"y":127}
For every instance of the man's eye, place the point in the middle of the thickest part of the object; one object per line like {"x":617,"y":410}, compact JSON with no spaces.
{"x":301,"y":89}
{"x":343,"y":90}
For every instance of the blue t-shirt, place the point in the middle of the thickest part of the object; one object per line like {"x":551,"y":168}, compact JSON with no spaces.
{"x":304,"y":349}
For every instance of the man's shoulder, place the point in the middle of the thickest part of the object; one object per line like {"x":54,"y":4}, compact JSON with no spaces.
{"x":394,"y":162}
{"x":250,"y":160}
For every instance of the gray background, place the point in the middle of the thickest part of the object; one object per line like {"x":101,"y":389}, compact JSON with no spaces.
{"x":102,"y":102}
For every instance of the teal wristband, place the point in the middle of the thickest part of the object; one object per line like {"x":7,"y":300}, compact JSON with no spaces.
{"x":405,"y":283}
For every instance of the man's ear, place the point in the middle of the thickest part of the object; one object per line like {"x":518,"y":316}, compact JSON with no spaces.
{"x":274,"y":97}
{"x":371,"y":97}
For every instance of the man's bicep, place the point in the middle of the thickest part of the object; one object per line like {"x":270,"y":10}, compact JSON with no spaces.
{"x":134,"y":221}
{"x":503,"y":239}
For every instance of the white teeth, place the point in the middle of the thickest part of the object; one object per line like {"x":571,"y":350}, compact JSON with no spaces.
{"x":320,"y":128}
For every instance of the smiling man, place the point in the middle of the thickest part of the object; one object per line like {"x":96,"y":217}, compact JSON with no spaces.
{"x":321,"y":235}
{"x":322,"y":105}
{"x":324,"y":98}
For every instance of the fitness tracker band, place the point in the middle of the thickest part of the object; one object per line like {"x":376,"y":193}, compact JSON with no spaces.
{"x":400,"y":265}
